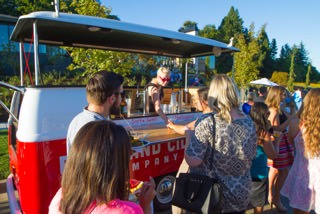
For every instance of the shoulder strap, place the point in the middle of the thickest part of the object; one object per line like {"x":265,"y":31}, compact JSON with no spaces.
{"x":213,"y":128}
{"x":150,"y":84}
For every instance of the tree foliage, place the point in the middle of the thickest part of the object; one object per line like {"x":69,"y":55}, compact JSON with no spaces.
{"x":268,"y":52}
{"x":308,"y":76}
{"x":292,"y":74}
{"x":280,"y":77}
{"x":92,"y":60}
{"x":248,"y":60}
{"x":188,"y":25}
{"x":209,"y":31}
{"x":231,"y":26}
{"x":8,"y":7}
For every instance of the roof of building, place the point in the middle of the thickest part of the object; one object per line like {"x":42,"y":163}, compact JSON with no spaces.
{"x":8,"y":19}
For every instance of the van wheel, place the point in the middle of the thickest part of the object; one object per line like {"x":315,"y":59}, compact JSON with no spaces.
{"x":164,"y":187}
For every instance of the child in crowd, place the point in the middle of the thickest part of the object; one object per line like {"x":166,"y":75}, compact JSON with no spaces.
{"x":267,"y":148}
{"x":96,"y":175}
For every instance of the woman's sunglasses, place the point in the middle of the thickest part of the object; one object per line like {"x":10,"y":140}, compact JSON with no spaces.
{"x":166,"y":79}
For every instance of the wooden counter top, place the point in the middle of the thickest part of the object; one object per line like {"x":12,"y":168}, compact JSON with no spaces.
{"x":160,"y":135}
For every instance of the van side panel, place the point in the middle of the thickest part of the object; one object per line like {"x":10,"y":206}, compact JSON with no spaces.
{"x":157,"y":159}
{"x":46,"y":113}
{"x":38,"y":173}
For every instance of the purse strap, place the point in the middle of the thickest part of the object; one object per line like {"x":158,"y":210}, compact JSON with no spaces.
{"x":213,"y":128}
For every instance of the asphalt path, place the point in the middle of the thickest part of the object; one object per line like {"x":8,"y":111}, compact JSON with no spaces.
{"x":4,"y":206}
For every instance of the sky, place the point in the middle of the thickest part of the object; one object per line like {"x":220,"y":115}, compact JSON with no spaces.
{"x":288,"y":21}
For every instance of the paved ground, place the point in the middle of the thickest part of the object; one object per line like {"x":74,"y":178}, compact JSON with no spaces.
{"x":3,"y":126}
{"x":4,"y":206}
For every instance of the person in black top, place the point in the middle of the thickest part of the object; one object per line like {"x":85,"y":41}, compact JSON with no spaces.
{"x":155,"y":92}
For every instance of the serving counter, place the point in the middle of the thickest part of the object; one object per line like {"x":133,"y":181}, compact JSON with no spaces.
{"x":163,"y":150}
{"x":161,"y":157}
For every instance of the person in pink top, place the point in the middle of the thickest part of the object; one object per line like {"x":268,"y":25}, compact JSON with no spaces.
{"x":96,"y":175}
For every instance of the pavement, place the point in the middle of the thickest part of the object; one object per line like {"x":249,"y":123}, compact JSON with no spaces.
{"x":4,"y":205}
{"x":3,"y":126}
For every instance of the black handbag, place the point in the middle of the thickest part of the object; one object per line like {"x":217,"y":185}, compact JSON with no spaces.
{"x":198,"y":193}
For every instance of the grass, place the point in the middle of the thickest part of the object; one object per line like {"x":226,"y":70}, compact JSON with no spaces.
{"x":4,"y":156}
{"x":302,"y":84}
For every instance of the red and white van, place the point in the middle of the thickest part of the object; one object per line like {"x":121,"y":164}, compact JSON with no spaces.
{"x":40,"y":115}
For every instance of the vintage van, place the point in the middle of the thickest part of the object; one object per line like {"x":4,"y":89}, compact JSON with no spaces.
{"x":40,"y":115}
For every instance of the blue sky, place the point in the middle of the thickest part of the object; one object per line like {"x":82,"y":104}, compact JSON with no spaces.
{"x":288,"y":21}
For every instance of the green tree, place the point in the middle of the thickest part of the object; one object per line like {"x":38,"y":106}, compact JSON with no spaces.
{"x":280,"y":77}
{"x":231,"y":26}
{"x":92,"y":60}
{"x":26,"y":6}
{"x":292,"y":74}
{"x":8,"y":7}
{"x":273,"y":49}
{"x":188,"y":26}
{"x":308,"y":76}
{"x":209,"y":31}
{"x":283,"y":62}
{"x":301,"y":62}
{"x":268,"y":53}
{"x":249,"y":60}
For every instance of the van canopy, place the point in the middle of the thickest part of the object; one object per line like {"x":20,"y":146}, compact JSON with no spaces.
{"x":75,"y":30}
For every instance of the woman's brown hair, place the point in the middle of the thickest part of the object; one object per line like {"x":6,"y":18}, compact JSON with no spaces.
{"x":274,"y":97}
{"x":310,"y":121}
{"x":97,"y":167}
{"x":259,"y":113}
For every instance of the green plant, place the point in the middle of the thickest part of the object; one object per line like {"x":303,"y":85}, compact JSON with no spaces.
{"x":4,"y":157}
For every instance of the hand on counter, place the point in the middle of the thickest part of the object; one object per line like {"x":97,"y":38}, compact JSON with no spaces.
{"x":181,"y":129}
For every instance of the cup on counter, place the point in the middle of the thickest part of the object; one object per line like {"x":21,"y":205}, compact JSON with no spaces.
{"x":128,"y":100}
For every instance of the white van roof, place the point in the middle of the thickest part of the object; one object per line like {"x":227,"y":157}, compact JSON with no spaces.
{"x":101,"y":33}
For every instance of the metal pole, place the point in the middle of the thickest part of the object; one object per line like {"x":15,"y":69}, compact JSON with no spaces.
{"x":233,"y":66}
{"x":56,"y":7}
{"x":186,"y":83}
{"x":36,"y":53}
{"x":21,"y":63}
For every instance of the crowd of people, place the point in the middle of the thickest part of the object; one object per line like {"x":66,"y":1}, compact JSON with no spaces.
{"x":258,"y":153}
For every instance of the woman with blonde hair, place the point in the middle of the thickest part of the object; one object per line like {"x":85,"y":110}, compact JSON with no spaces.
{"x":155,"y":92}
{"x":96,"y":175}
{"x":224,"y":145}
{"x":302,"y":186}
{"x":279,"y":167}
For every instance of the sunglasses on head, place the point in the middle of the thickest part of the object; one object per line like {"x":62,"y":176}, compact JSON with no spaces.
{"x":166,"y":79}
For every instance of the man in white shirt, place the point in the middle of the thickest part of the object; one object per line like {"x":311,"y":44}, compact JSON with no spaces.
{"x":103,"y":92}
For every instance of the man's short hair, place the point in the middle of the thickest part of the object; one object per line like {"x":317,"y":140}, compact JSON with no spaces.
{"x":102,"y":85}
